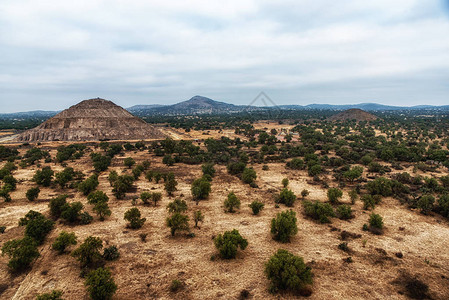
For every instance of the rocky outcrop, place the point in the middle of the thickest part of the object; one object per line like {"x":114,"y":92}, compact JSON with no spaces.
{"x":94,"y":119}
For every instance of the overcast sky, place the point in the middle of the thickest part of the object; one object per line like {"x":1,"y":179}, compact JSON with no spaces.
{"x":56,"y":53}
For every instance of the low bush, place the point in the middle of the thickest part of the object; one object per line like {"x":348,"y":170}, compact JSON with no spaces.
{"x":228,"y":243}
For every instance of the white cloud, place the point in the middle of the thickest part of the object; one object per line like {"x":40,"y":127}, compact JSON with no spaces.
{"x":156,"y":51}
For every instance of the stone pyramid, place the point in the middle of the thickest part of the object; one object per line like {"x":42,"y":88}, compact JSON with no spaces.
{"x":89,"y":120}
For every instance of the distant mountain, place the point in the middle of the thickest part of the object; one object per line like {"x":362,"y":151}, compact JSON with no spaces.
{"x":353,"y":114}
{"x":29,"y":114}
{"x":199,"y":105}
{"x":143,"y":107}
{"x":203,"y":105}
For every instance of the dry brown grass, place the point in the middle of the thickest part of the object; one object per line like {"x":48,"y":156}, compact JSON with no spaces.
{"x":145,"y":270}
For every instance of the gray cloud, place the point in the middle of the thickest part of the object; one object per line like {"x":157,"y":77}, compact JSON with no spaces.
{"x":54,"y":53}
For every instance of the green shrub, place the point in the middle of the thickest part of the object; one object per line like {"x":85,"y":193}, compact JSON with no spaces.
{"x":380,"y":186}
{"x":177,"y":222}
{"x":228,"y":243}
{"x":44,"y":176}
{"x":54,"y":295}
{"x":170,"y":184}
{"x":122,"y":185}
{"x":89,"y":185}
{"x":376,"y":222}
{"x":425,"y":203}
{"x":208,"y":169}
{"x":287,"y":271}
{"x":319,"y":211}
{"x":295,"y":164}
{"x":443,"y":205}
{"x":198,"y":217}
{"x":368,"y":201}
{"x":57,"y":205}
{"x":133,"y":217}
{"x":21,"y":253}
{"x":256,"y":207}
{"x":284,"y":226}
{"x":353,"y":196}
{"x":36,"y":226}
{"x":129,"y":162}
{"x":102,"y":210}
{"x":86,"y":218}
{"x":176,"y":285}
{"x":249,"y":175}
{"x":333,"y":194}
{"x":344,"y":212}
{"x":232,"y":202}
{"x":32,"y":193}
{"x":156,"y":197}
{"x":64,"y":240}
{"x":88,"y":253}
{"x":286,"y":197}
{"x":285,"y":182}
{"x":97,"y":197}
{"x":111,"y":253}
{"x":100,"y":284}
{"x":71,"y":212}
{"x":304,"y":193}
{"x":177,"y":206}
{"x":145,"y":197}
{"x":200,"y":189}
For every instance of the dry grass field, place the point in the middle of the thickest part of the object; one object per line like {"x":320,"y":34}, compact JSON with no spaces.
{"x":145,"y":270}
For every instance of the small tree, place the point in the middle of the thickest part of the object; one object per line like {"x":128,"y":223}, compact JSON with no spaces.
{"x":57,"y":205}
{"x":256,"y":207}
{"x":353,"y":196}
{"x":88,"y":253}
{"x":197,"y":217}
{"x":200,"y":189}
{"x":177,"y":206}
{"x":36,"y":226}
{"x":249,"y":175}
{"x":64,"y":177}
{"x":21,"y":253}
{"x":170,"y":184}
{"x":156,"y":197}
{"x":133,"y":217}
{"x":111,"y":253}
{"x":97,"y":197}
{"x":71,"y":212}
{"x":376,"y":222}
{"x":287,"y":271}
{"x":100,"y":284}
{"x":122,"y":185}
{"x":145,"y":196}
{"x":64,"y":240}
{"x":208,"y":169}
{"x":284,"y":226}
{"x":228,"y":243}
{"x":286,"y":197}
{"x":333,"y":194}
{"x":102,"y":210}
{"x":177,"y":222}
{"x":425,"y":203}
{"x":32,"y":193}
{"x":319,"y":211}
{"x":304,"y":193}
{"x":285,"y":182}
{"x":44,"y":176}
{"x":129,"y":162}
{"x":232,"y":202}
{"x":89,"y":185}
{"x":344,"y":212}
